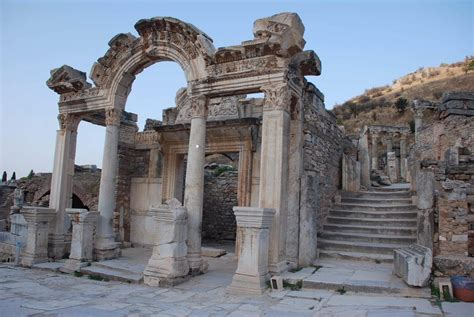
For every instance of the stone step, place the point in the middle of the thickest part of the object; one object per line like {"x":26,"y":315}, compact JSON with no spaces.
{"x":372,"y":214}
{"x":358,"y":246}
{"x":367,"y":237}
{"x":376,"y":195}
{"x":389,"y":189}
{"x":356,"y":256}
{"x":377,"y":201}
{"x":390,"y":230}
{"x":382,"y":222}
{"x":373,"y":207}
{"x":121,"y":266}
{"x":113,"y":274}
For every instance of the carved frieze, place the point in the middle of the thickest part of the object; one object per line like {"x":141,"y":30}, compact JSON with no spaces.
{"x":66,"y":79}
{"x":147,"y":138}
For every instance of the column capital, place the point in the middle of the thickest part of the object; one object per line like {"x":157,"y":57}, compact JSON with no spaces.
{"x":68,"y":121}
{"x":277,"y":97}
{"x":112,"y":116}
{"x":199,"y":106}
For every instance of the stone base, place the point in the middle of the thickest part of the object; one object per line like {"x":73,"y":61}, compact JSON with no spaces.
{"x":108,"y":254}
{"x":58,"y":246}
{"x":28,"y":260}
{"x":248,"y":285}
{"x":278,"y":268}
{"x":157,"y":281}
{"x":413,"y":264}
{"x":201,"y":270}
{"x":72,"y":265}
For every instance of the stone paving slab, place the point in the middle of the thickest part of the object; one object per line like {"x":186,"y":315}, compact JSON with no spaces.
{"x":458,"y":309}
{"x":56,"y":294}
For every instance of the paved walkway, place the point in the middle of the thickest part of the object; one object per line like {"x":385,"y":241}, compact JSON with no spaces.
{"x":26,"y":292}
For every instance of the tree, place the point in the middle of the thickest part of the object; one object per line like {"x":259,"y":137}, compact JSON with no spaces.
{"x":31,"y":174}
{"x":13,"y":177}
{"x":401,"y":104}
{"x":4,"y":177}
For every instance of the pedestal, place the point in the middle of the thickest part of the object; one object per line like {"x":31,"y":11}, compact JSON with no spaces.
{"x":82,"y":244}
{"x":37,"y":219}
{"x":252,"y":270}
{"x":168,"y":265}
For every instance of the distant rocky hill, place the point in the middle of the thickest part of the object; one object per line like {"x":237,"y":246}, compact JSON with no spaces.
{"x":389,"y":105}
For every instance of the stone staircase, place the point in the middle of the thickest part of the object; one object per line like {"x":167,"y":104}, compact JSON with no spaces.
{"x":369,"y":225}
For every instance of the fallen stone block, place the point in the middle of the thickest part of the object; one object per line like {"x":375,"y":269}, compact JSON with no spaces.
{"x":212,"y":252}
{"x":413,"y":264}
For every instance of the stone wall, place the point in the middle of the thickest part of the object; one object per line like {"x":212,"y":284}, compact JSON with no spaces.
{"x":220,"y":196}
{"x":323,"y":148}
{"x":446,"y":148}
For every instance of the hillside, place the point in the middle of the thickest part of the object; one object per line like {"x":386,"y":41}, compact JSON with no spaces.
{"x":378,"y":105}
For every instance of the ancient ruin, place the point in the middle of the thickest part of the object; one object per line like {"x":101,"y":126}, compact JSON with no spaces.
{"x":300,"y":189}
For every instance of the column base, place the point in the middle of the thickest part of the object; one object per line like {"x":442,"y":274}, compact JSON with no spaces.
{"x":248,"y":285}
{"x":106,"y":248}
{"x":73,"y":265}
{"x":28,"y":259}
{"x":59,"y":245}
{"x":278,"y":268}
{"x":201,"y":269}
{"x":157,"y":281}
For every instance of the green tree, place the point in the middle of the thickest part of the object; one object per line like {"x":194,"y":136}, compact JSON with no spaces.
{"x":4,"y":177}
{"x":31,"y":174}
{"x":401,"y":104}
{"x":13,"y":177}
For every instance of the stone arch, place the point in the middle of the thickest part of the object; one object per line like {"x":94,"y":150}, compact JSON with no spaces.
{"x":161,"y":39}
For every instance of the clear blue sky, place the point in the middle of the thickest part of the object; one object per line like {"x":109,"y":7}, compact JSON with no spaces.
{"x":362,"y":44}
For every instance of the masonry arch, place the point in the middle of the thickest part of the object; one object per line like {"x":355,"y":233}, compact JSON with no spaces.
{"x":161,"y":39}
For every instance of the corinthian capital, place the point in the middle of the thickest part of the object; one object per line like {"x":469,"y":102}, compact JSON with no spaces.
{"x":112,"y":116}
{"x":199,"y":107}
{"x":68,"y":121}
{"x":277,"y":97}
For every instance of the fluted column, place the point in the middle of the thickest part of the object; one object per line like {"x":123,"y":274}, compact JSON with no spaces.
{"x":389,"y":143}
{"x":105,"y":246}
{"x":61,"y":184}
{"x":374,"y":151}
{"x":274,"y":169}
{"x":194,"y":186}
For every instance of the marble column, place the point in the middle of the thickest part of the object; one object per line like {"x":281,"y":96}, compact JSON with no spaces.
{"x":62,"y":183}
{"x":389,"y":143}
{"x":37,"y":220}
{"x":364,"y":159}
{"x":374,"y":151}
{"x":82,"y":243}
{"x":194,"y":184}
{"x":403,"y":157}
{"x":252,"y":269}
{"x":105,"y":245}
{"x":274,"y":169}
{"x":418,"y":122}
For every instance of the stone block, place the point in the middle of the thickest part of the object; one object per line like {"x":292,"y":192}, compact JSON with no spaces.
{"x":413,"y":264}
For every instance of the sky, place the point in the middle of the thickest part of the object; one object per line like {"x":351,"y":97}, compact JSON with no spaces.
{"x":362,"y":44}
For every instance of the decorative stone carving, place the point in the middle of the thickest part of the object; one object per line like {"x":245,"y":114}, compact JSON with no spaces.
{"x":277,"y":97}
{"x":68,"y":121}
{"x":285,"y":29}
{"x":37,"y":219}
{"x":252,"y":270}
{"x":82,"y":244}
{"x":413,"y":264}
{"x":66,"y":79}
{"x":168,"y":265}
{"x":112,"y":116}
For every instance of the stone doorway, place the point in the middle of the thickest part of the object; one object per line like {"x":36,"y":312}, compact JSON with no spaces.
{"x":220,"y":196}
